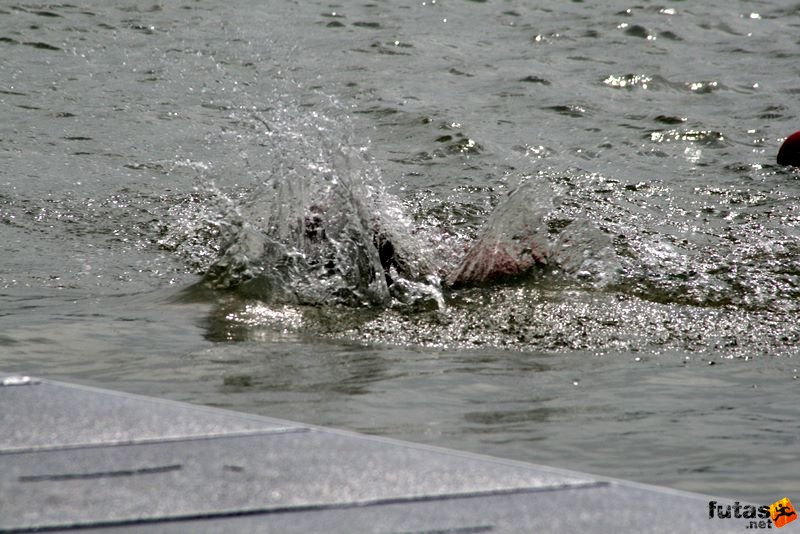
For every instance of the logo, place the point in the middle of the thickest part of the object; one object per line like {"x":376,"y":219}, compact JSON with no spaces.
{"x":782,"y":512}
{"x":777,"y":514}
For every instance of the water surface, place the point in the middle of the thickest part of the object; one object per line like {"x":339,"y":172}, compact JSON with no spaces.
{"x":658,"y":344}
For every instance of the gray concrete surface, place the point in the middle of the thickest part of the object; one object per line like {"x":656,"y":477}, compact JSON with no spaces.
{"x":73,"y":457}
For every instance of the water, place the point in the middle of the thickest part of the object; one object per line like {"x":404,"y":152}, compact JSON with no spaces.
{"x":624,"y":151}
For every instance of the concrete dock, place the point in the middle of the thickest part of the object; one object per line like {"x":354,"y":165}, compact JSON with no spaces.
{"x":79,"y":458}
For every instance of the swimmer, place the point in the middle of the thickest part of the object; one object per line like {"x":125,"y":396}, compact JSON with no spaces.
{"x":342,"y":251}
{"x":514,"y":240}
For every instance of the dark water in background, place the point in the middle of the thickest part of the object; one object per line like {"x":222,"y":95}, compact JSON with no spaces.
{"x":661,"y":348}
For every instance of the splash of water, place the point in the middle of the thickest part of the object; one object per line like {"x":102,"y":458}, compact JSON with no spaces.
{"x":514,"y":240}
{"x":320,"y":228}
{"x":331,"y":235}
{"x":305,"y":238}
{"x":519,"y":237}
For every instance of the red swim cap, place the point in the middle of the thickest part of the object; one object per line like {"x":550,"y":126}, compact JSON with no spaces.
{"x":789,"y":154}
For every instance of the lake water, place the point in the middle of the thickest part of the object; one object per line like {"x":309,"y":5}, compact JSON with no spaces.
{"x":659,"y":343}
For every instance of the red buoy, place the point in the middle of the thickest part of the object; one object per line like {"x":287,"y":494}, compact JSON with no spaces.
{"x":789,"y":154}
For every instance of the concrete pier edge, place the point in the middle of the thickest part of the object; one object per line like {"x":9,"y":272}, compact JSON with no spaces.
{"x":78,"y":457}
